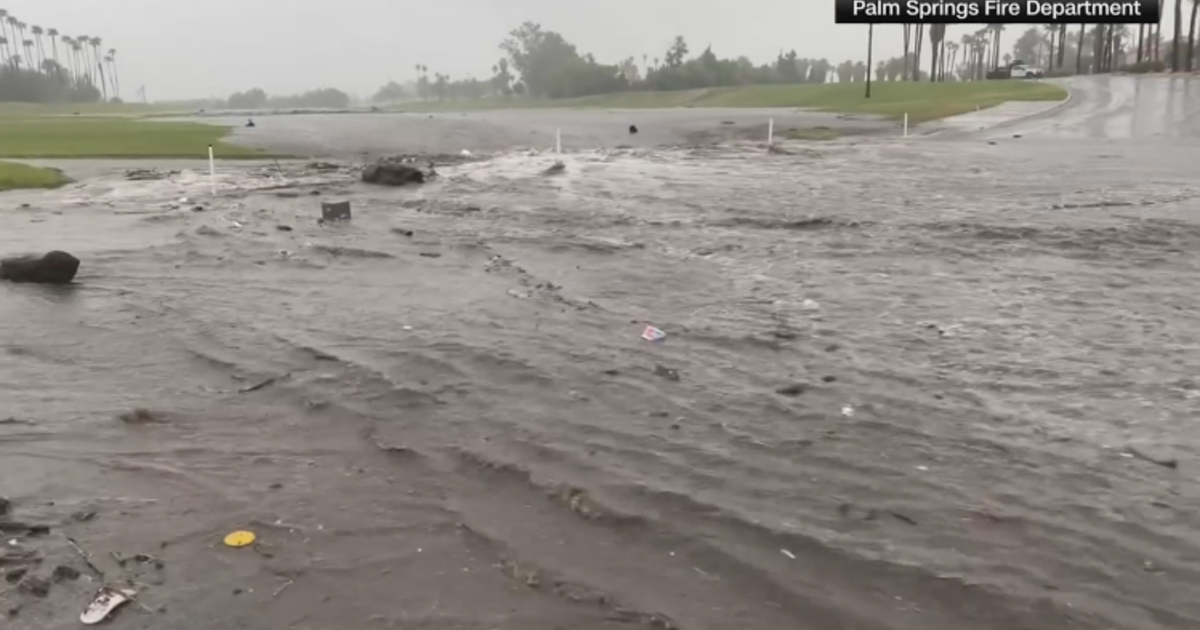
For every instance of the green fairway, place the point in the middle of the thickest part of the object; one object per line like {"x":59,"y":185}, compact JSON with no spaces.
{"x":14,"y":176}
{"x":51,"y":136}
{"x":921,"y":101}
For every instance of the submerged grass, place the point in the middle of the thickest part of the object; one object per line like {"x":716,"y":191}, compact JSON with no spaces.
{"x":921,"y":101}
{"x":14,"y":176}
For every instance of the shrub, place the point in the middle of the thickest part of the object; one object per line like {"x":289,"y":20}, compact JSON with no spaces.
{"x":1143,"y":67}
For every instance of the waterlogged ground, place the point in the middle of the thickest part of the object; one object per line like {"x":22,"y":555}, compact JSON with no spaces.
{"x":905,"y":385}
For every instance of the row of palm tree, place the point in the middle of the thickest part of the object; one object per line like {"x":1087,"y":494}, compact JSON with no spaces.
{"x":81,"y":61}
{"x":982,"y":49}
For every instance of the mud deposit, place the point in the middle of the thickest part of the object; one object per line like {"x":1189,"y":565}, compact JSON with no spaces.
{"x":905,"y":386}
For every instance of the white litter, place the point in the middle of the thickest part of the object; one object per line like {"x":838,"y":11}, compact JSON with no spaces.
{"x":810,"y":305}
{"x":107,"y":600}
{"x":466,"y":153}
{"x":788,"y":553}
{"x":847,"y":411}
{"x":653,"y":334}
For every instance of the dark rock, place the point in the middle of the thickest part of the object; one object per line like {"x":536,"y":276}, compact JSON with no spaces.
{"x":402,"y":232}
{"x":666,"y":372}
{"x":14,"y":575}
{"x":431,"y":255}
{"x":632,"y":128}
{"x":796,"y":389}
{"x":283,"y":228}
{"x":63,"y":572}
{"x":5,"y":506}
{"x":140,"y":416}
{"x":36,"y":586}
{"x":392,"y":173}
{"x":53,"y":268}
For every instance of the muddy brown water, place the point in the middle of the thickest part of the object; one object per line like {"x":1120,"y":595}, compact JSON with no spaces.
{"x":898,"y":391}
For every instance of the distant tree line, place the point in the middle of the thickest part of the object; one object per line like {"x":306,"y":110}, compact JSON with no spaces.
{"x":34,"y":69}
{"x":257,"y":98}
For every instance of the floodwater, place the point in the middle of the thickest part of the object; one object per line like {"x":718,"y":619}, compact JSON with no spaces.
{"x":905,"y":385}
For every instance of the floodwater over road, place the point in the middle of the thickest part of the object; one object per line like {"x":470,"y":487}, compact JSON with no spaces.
{"x":906,"y":385}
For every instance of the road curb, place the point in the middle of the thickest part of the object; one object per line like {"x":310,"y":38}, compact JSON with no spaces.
{"x":1012,"y":121}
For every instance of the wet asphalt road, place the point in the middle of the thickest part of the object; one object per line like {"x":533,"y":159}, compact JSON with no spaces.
{"x":1121,"y":109}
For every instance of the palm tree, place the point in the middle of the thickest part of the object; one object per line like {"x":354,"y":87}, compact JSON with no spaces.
{"x":918,"y":39}
{"x":3,"y":51}
{"x":28,"y":46}
{"x":37,"y":38}
{"x":937,"y":34}
{"x":1191,"y":46}
{"x":96,"y":43}
{"x":907,"y":47}
{"x":1079,"y":51}
{"x":86,"y":68}
{"x":1158,"y":33}
{"x":112,"y":66}
{"x":77,"y":53}
{"x":12,"y":35}
{"x":870,"y":49}
{"x":68,"y":43}
{"x":996,"y":29}
{"x":1175,"y":49}
{"x":52,"y":33}
{"x":952,"y":48}
{"x":3,"y":35}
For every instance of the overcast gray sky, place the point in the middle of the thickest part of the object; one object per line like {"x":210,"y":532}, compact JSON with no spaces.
{"x":198,"y":48}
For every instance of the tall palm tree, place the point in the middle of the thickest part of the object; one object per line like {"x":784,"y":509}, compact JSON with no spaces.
{"x":37,"y":33}
{"x":85,"y":65}
{"x":1191,"y":45}
{"x":68,"y":41}
{"x":14,"y":41}
{"x":3,"y":35}
{"x":76,"y":53}
{"x":27,"y":45}
{"x":870,"y":51}
{"x":1079,"y":51}
{"x":52,"y":33}
{"x":996,"y":29}
{"x":3,"y":51}
{"x":907,"y":47}
{"x":96,"y":43}
{"x":1176,"y":64}
{"x":918,"y":39}
{"x":112,"y":66}
{"x":1157,"y":39}
{"x":937,"y":34}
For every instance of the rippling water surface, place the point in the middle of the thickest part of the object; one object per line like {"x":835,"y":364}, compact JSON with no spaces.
{"x":898,"y":390}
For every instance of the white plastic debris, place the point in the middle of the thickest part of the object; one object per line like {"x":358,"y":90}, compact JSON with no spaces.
{"x":847,"y":411}
{"x":810,"y":305}
{"x":466,"y":153}
{"x":788,"y":554}
{"x":653,"y":334}
{"x":106,"y":601}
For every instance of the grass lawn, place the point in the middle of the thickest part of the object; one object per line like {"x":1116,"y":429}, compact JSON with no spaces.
{"x":52,"y":136}
{"x":921,"y":101}
{"x":13,"y":176}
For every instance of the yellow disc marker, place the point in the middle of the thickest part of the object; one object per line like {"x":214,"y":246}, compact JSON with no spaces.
{"x":239,"y":538}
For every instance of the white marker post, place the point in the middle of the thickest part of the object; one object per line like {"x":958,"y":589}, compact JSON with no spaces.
{"x":770,"y":132}
{"x":558,"y":140}
{"x":212,"y":171}
{"x":905,"y":124}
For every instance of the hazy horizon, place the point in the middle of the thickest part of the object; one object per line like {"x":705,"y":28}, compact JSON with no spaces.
{"x":215,"y":48}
